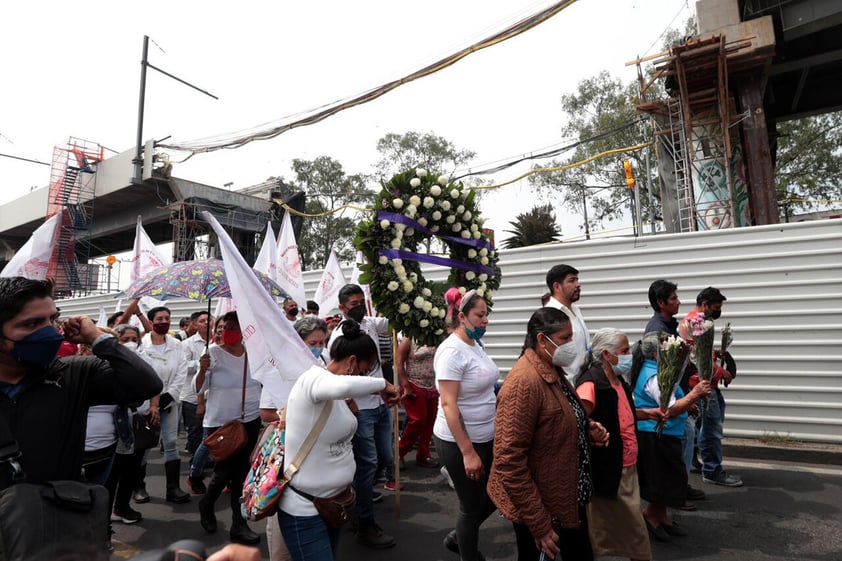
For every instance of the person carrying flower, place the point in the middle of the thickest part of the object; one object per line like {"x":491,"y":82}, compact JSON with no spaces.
{"x":661,"y":470}
{"x":709,"y":425}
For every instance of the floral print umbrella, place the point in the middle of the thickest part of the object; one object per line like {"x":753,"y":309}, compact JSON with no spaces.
{"x":197,"y":280}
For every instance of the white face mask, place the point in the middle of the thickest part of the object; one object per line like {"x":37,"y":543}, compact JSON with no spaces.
{"x":565,"y":354}
{"x":131,"y":345}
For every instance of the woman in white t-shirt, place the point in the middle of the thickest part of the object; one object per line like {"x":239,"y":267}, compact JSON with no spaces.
{"x":221,"y":376}
{"x":464,"y":428}
{"x":329,"y":467}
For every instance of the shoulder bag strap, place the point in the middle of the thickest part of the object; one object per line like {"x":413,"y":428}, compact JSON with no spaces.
{"x":245,"y":373}
{"x":292,"y":469}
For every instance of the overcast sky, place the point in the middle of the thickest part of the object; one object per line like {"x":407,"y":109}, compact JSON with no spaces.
{"x":72,"y":69}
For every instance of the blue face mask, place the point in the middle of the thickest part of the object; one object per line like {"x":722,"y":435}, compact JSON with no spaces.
{"x":39,"y":347}
{"x":624,"y":364}
{"x":317,"y":351}
{"x":473,"y":332}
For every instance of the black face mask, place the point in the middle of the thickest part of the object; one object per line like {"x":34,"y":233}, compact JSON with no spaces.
{"x":293,"y":311}
{"x":715,"y":314}
{"x":357,"y":314}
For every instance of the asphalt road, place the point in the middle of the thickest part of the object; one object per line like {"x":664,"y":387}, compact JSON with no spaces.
{"x":785,"y":511}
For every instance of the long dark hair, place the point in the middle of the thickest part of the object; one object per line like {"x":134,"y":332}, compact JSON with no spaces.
{"x":544,"y":320}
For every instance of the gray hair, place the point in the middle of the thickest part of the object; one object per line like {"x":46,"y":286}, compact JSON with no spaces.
{"x":605,"y":339}
{"x":649,"y":345}
{"x":123,"y":327}
{"x":308,"y":324}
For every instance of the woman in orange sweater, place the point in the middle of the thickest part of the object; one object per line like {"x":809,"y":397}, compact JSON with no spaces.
{"x":540,"y":478}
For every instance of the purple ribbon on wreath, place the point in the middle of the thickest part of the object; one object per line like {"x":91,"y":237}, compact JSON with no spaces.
{"x":396,"y":218}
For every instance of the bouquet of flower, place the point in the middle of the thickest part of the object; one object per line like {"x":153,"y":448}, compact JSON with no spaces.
{"x":673,"y":353}
{"x":727,"y":338}
{"x":701,"y":330}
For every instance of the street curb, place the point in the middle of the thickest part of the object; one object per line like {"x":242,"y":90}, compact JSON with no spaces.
{"x":791,"y":451}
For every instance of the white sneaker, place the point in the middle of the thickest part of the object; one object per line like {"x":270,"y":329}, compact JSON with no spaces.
{"x":447,"y":476}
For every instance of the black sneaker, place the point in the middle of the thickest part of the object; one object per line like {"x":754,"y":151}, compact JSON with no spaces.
{"x":694,"y":494}
{"x":372,"y":535}
{"x":140,"y":495}
{"x":126,"y":515}
{"x":724,"y":479}
{"x":196,"y":485}
{"x":452,"y":544}
{"x":376,"y":497}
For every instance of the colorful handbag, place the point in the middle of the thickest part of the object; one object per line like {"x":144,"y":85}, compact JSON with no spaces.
{"x":266,"y":478}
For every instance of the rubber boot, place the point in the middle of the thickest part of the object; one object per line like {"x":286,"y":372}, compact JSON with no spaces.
{"x":174,"y":493}
{"x":140,"y":494}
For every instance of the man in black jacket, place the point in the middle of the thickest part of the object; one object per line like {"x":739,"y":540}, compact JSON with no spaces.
{"x":44,"y":400}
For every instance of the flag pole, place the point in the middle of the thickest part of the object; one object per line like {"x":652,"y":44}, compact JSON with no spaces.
{"x":396,"y":455}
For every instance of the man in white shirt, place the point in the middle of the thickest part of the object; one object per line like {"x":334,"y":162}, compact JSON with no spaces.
{"x":193,"y":405}
{"x":373,"y":438}
{"x":563,"y":283}
{"x":291,"y":310}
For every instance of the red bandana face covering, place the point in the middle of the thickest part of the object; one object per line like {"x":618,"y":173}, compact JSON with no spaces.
{"x":231,"y":336}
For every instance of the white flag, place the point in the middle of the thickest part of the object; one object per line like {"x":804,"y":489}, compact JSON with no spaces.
{"x":146,"y":256}
{"x":33,"y":259}
{"x":355,"y":279}
{"x":288,"y":262}
{"x":265,"y":262}
{"x":103,"y":317}
{"x":333,"y":279}
{"x":223,"y":306}
{"x":277,"y":355}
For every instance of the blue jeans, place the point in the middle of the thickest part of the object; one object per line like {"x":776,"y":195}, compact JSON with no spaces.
{"x":169,"y":432}
{"x":200,"y":457}
{"x":688,"y":441}
{"x":373,"y":439}
{"x":308,"y":538}
{"x":710,"y":435}
{"x":192,"y":425}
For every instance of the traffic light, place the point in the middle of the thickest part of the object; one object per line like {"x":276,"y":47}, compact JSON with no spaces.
{"x":629,"y":173}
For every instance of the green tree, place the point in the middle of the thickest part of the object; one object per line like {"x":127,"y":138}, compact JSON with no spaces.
{"x":400,"y":152}
{"x":600,"y":116}
{"x":328,"y":188}
{"x":808,"y":163}
{"x":534,"y":227}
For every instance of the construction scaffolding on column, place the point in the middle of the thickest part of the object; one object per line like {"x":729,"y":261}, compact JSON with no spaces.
{"x":698,"y":150}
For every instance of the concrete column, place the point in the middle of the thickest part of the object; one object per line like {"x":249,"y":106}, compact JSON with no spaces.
{"x":758,"y":155}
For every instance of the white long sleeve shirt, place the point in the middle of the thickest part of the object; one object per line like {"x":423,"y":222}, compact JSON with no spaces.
{"x":170,"y":364}
{"x":330,"y":466}
{"x":581,"y":336}
{"x":194,"y":348}
{"x":374,"y":327}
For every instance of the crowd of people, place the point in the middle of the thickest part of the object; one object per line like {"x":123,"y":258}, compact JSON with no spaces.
{"x":574,"y":448}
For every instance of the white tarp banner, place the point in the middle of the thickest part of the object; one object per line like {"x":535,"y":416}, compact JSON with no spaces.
{"x":333,"y":279}
{"x":146,"y":258}
{"x":277,"y":355}
{"x":288,"y":261}
{"x":33,"y":259}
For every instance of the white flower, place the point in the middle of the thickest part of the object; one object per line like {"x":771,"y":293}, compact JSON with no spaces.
{"x":411,"y":210}
{"x":399,"y":235}
{"x":413,"y":277}
{"x":474,"y":228}
{"x":470,"y":275}
{"x":383,"y":260}
{"x":396,"y":262}
{"x":464,"y":193}
{"x":445,"y":205}
{"x":708,"y":324}
{"x":418,"y":302}
{"x":414,"y":182}
{"x":400,"y":227}
{"x":393,"y":286}
{"x":401,"y":276}
{"x":477,"y":235}
{"x":442,"y":313}
{"x":434,"y":229}
{"x":481,"y":292}
{"x":424,"y":323}
{"x":482,"y":286}
{"x":454,"y":194}
{"x":488,"y":294}
{"x":436,"y":215}
{"x":462,"y":290}
{"x":403,"y":309}
{"x":407,"y":286}
{"x":439,"y":331}
{"x":429,"y":202}
{"x":483,"y":277}
{"x":396,"y":243}
{"x":434,"y":311}
{"x":421,"y":172}
{"x":472,"y":253}
{"x":385,"y":224}
{"x":397,"y":203}
{"x":460,"y":209}
{"x":483,"y":251}
{"x":426,"y":292}
{"x":442,"y":180}
{"x":456,"y":227}
{"x":467,"y":215}
{"x":466,"y":235}
{"x":422,"y":221}
{"x":435,"y":190}
{"x":484,"y":260}
{"x":450,"y":219}
{"x":415,"y":199}
{"x":409,"y":232}
{"x":399,"y":270}
{"x":427,"y":307}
